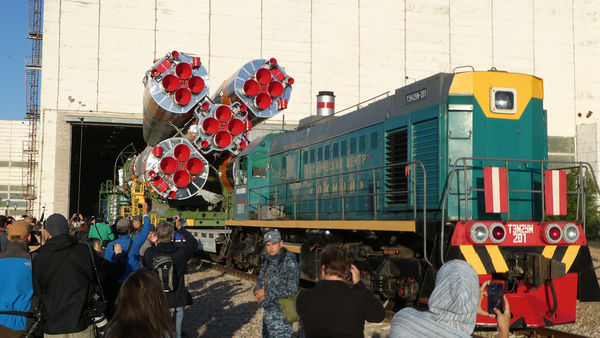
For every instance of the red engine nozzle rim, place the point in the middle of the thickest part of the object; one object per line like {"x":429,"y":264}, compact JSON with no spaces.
{"x":262,"y":101}
{"x":183,"y":96}
{"x":181,"y":178}
{"x":223,"y":113}
{"x":251,"y":87}
{"x":236,"y":127}
{"x":182,"y":152}
{"x":196,"y":84}
{"x":194,"y":166}
{"x":210,"y":125}
{"x":263,"y":76}
{"x":168,"y":165}
{"x":222,"y":139}
{"x":170,"y":83}
{"x":183,"y":70}
{"x":275,"y":89}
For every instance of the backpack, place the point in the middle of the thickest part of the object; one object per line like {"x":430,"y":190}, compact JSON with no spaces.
{"x":164,"y":266}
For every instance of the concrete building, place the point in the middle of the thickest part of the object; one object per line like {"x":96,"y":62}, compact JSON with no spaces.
{"x":96,"y":52}
{"x":12,"y":162}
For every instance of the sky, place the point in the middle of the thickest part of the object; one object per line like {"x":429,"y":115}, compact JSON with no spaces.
{"x":14,"y":47}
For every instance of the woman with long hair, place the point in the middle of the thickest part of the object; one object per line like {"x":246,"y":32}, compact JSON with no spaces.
{"x":141,"y":309}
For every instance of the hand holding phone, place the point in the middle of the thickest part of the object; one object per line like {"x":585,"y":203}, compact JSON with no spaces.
{"x":495,"y":293}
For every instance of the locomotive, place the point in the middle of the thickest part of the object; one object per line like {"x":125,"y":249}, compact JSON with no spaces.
{"x":454,"y":166}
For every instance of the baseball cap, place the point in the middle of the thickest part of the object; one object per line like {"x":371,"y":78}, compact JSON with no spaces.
{"x":272,"y":236}
{"x":18,"y":231}
{"x":123,"y":225}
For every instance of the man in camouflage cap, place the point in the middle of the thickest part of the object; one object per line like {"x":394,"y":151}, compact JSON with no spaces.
{"x":278,"y":278}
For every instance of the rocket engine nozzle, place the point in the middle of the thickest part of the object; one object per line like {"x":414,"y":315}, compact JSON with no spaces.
{"x":174,"y":85}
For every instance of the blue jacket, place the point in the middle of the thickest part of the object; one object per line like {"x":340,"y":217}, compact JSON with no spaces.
{"x":17,"y":286}
{"x":133,"y":256}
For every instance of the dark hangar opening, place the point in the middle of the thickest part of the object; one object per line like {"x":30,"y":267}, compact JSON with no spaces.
{"x":101,"y":144}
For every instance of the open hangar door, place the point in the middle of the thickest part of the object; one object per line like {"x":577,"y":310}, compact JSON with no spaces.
{"x":99,"y":145}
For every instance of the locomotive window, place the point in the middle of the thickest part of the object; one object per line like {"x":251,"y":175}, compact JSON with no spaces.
{"x":326,"y":152}
{"x":344,"y":147}
{"x":374,"y":138}
{"x":259,"y":164}
{"x":282,"y":170}
{"x":305,"y":157}
{"x":336,"y":151}
{"x":503,"y":100}
{"x":353,"y":145}
{"x":362,"y":143}
{"x":312,"y":156}
{"x":320,"y":154}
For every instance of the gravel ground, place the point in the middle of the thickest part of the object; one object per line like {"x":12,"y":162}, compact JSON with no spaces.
{"x":224,"y":306}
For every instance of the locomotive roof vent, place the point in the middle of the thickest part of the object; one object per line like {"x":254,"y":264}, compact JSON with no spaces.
{"x":325,"y":103}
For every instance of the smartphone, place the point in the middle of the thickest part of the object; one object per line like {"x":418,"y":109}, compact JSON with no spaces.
{"x":495,"y":292}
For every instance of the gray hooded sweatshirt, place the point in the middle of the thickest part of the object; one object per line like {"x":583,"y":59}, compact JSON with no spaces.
{"x":452,"y":306}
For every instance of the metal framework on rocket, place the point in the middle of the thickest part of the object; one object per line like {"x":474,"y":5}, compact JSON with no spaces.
{"x":187,"y":132}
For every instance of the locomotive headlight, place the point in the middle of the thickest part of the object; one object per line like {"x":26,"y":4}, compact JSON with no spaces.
{"x":503,"y":100}
{"x":570,"y":233}
{"x":479,"y":233}
{"x":498,"y":233}
{"x":553,"y":233}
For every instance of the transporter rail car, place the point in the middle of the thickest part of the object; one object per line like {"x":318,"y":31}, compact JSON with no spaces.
{"x":454,"y":166}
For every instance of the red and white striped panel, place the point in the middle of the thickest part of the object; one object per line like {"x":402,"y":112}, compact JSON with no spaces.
{"x":495,"y":190}
{"x":556,"y":192}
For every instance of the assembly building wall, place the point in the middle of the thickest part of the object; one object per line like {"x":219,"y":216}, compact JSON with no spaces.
{"x":14,"y":133}
{"x":96,"y":52}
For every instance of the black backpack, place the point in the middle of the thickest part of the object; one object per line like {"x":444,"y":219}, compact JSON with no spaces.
{"x":164,"y":266}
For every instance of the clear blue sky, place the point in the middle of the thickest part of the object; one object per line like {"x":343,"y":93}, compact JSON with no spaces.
{"x":14,"y":47}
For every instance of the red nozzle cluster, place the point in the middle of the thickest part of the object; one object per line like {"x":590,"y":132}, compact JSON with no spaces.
{"x":179,"y":164}
{"x":266,"y":85}
{"x":179,"y":78}
{"x":223,"y":127}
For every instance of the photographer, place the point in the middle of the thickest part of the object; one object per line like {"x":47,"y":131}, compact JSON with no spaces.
{"x":17,"y":290}
{"x":338,"y":307}
{"x":62,"y":277}
{"x":176,"y":257}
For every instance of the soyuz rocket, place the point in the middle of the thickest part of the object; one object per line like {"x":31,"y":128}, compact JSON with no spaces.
{"x":188,"y":132}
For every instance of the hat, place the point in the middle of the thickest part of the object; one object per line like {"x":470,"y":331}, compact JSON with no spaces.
{"x":272,"y":236}
{"x":19,"y":229}
{"x":137,"y":218}
{"x":123,"y":225}
{"x":56,"y":225}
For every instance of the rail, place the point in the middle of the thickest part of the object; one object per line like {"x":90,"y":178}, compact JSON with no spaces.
{"x":532,"y":167}
{"x":270,"y":196}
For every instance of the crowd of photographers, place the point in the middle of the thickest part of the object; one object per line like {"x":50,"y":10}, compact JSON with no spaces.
{"x":85,"y":278}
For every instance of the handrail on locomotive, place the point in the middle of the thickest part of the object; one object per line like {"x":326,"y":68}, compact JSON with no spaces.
{"x":584,"y":169}
{"x":274,"y":202}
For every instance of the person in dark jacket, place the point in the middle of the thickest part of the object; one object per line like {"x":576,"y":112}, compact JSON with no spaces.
{"x":179,"y":297}
{"x":17,"y":288}
{"x":109,"y":273}
{"x":62,"y":277}
{"x":335,"y":307}
{"x":3,"y":235}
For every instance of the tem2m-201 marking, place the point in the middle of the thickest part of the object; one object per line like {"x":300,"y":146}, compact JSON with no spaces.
{"x":520,"y":231}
